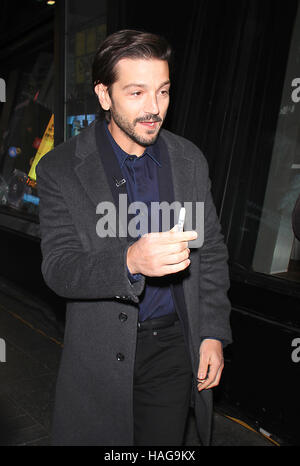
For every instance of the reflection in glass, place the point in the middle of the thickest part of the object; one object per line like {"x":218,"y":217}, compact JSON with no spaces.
{"x":277,"y":250}
{"x":31,"y":111}
{"x":86,"y":29}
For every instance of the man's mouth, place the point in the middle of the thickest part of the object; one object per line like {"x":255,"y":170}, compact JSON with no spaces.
{"x":150,"y":124}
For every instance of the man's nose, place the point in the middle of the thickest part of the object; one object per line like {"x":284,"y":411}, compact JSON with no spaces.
{"x":152,"y":105}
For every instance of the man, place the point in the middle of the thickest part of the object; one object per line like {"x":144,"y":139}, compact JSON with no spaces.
{"x":147,"y":311}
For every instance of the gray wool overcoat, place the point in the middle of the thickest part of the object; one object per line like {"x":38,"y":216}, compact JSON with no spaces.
{"x":94,"y":389}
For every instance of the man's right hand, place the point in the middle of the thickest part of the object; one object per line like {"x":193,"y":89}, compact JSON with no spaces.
{"x":159,"y":254}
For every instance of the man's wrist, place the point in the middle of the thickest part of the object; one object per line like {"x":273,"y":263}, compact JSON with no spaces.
{"x":213,"y":338}
{"x":130,"y":266}
{"x":133,"y":277}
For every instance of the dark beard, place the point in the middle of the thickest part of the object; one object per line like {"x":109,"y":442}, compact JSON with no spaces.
{"x":128,"y":129}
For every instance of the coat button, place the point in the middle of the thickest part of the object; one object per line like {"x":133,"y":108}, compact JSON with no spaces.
{"x":120,"y":357}
{"x":123,"y":317}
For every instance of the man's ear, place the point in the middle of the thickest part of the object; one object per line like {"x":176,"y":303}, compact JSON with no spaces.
{"x":103,"y":96}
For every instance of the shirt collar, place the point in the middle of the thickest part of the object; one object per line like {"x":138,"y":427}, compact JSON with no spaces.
{"x":122,"y":155}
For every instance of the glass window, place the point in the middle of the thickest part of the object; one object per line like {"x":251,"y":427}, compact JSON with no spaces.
{"x":277,"y":251}
{"x":26,"y":123}
{"x":86,"y":29}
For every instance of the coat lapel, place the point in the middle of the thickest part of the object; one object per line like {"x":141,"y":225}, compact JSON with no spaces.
{"x":97,"y":169}
{"x":99,"y":172}
{"x":176,"y":173}
{"x":175,"y":184}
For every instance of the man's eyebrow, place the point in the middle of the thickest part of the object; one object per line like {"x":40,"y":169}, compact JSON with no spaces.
{"x":134,"y":85}
{"x":144,"y":86}
{"x":165,"y":84}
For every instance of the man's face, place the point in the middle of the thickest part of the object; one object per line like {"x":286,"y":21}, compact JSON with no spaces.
{"x":138,"y":102}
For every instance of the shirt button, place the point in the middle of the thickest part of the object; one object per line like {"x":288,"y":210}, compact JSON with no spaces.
{"x":120,"y":357}
{"x":123,"y":317}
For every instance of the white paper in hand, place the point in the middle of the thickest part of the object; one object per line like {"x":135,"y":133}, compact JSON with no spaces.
{"x":181,"y":219}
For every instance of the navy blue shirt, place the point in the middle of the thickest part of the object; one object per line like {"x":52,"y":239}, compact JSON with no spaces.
{"x":141,"y":175}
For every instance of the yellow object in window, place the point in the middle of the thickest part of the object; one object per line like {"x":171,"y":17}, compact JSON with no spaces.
{"x":47,"y":144}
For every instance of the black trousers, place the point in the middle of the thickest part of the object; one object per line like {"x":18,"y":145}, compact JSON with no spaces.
{"x":162,"y":387}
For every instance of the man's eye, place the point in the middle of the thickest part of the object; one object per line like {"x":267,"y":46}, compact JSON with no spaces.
{"x":136,"y":93}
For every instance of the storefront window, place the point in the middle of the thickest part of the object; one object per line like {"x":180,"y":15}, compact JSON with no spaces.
{"x":86,"y":29}
{"x":27,"y":117}
{"x":277,"y":251}
{"x":27,"y":120}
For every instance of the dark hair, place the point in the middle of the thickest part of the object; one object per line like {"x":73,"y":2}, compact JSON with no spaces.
{"x":127,"y":44}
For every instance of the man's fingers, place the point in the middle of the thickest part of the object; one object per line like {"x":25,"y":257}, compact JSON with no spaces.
{"x":161,"y":253}
{"x":174,"y":236}
{"x":216,"y":381}
{"x":213,"y":378}
{"x":211,"y":364}
{"x":203,"y":369}
{"x":171,"y":236}
{"x":212,"y":373}
{"x":177,"y":256}
{"x":173,"y":268}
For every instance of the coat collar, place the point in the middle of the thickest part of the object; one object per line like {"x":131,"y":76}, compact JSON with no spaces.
{"x":122,"y":155}
{"x":98,"y":168}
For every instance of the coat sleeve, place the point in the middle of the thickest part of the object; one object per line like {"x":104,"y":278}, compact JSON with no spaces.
{"x":67,"y":268}
{"x":214,"y":274}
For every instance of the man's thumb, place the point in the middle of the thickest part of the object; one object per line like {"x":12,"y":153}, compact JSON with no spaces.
{"x":175,"y":228}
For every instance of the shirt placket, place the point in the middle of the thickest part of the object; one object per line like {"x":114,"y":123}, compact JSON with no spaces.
{"x":142,"y":186}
